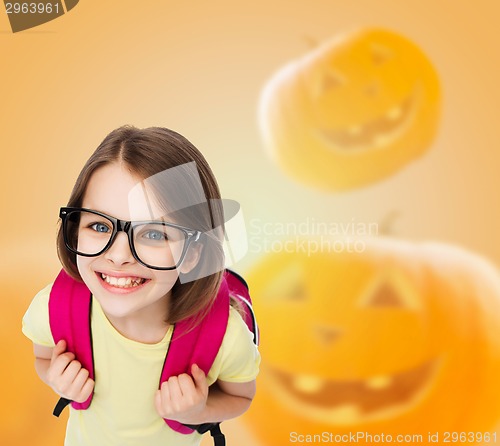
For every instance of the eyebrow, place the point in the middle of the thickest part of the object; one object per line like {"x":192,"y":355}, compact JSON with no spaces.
{"x":149,"y":220}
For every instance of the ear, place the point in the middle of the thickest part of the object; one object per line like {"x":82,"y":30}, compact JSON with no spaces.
{"x":191,"y":258}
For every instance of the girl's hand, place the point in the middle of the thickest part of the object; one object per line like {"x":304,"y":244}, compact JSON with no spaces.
{"x":67,"y":376}
{"x":183,"y":398}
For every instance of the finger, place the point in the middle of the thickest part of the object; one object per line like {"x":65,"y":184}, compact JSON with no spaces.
{"x":72,"y":371}
{"x":165,"y":392}
{"x":86,"y":390}
{"x":79,"y":381}
{"x":174,"y":389}
{"x":65,"y":383}
{"x":186,"y":384}
{"x":199,"y":377}
{"x":60,"y":363}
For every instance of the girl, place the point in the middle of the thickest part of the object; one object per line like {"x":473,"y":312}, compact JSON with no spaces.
{"x":142,"y":282}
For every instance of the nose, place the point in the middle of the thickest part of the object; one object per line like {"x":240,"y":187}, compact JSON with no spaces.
{"x":119,"y":252}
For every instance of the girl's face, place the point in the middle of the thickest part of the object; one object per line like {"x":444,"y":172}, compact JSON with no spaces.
{"x":123,"y":287}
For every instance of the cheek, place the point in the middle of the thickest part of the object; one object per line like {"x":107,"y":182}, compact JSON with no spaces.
{"x":87,"y":274}
{"x":83,"y":264}
{"x":164,"y":280}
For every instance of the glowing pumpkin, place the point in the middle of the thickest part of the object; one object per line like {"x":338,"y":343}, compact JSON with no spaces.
{"x":400,"y":338}
{"x":351,"y":112}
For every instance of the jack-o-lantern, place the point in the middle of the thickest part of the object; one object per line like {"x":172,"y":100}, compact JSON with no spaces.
{"x":402,"y":338}
{"x":353,"y":111}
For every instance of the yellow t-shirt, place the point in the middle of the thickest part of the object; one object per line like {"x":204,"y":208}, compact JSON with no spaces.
{"x":127,"y":373}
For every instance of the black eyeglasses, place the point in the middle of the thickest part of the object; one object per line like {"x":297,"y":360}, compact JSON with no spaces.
{"x":155,"y":244}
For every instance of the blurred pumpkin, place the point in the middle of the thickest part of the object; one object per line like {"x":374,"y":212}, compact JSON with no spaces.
{"x":400,"y":338}
{"x":351,"y":112}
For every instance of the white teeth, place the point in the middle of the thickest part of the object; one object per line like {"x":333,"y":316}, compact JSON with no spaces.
{"x":308,"y":383}
{"x":394,"y":113}
{"x":347,"y":413}
{"x":379,"y":382}
{"x":122,"y":282}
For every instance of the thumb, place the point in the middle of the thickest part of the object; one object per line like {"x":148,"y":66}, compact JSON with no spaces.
{"x":59,"y":349}
{"x":198,"y":376}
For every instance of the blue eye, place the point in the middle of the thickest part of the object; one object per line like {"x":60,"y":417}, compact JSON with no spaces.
{"x":155,"y":235}
{"x":99,"y":227}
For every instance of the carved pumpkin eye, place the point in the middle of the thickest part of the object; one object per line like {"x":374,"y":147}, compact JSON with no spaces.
{"x":391,"y":291}
{"x":385,"y":296}
{"x":333,"y":79}
{"x":297,"y":292}
{"x":380,"y":54}
{"x":321,"y":82}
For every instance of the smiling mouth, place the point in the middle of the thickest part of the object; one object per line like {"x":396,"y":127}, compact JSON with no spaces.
{"x":375,"y":134}
{"x":352,"y":401}
{"x":122,"y":282}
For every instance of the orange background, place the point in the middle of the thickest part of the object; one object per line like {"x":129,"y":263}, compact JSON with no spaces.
{"x":198,"y":68}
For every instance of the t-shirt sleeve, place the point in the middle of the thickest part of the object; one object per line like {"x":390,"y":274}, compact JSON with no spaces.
{"x":238,"y":359}
{"x":36,"y":325}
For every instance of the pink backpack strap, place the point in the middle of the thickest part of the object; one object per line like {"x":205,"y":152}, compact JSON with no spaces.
{"x":198,"y":345}
{"x":238,"y":288}
{"x":69,"y":316}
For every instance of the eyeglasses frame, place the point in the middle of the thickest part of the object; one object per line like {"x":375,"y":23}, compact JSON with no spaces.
{"x":193,"y":235}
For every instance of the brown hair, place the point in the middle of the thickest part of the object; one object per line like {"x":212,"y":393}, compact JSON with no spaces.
{"x":146,"y":152}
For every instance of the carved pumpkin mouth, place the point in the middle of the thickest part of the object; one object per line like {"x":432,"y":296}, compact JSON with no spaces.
{"x":353,"y":401}
{"x":375,"y":134}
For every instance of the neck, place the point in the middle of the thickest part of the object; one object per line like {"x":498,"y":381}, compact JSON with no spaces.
{"x":147,"y":325}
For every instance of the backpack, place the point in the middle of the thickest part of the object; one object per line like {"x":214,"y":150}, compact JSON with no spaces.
{"x":69,"y":316}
